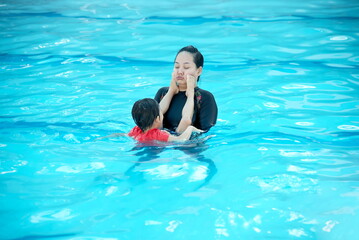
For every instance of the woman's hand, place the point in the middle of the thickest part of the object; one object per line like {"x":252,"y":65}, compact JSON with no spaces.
{"x":173,"y":85}
{"x":167,"y":98}
{"x":196,"y":130}
{"x":191,"y":84}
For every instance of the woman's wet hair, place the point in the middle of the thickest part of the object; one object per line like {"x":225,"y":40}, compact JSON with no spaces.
{"x":197,"y":55}
{"x":144,"y":112}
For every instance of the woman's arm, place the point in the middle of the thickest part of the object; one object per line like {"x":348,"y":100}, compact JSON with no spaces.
{"x":166,"y":100}
{"x":185,"y":135}
{"x":208,"y":111}
{"x":188,"y":108}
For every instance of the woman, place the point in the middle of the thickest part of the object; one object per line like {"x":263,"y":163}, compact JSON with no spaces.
{"x":183,"y":103}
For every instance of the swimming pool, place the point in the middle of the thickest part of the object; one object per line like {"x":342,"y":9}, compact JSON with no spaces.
{"x":282,"y":162}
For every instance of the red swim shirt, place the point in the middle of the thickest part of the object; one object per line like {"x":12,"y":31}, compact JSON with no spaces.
{"x":150,"y":135}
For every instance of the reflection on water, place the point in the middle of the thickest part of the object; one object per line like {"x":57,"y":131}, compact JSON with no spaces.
{"x":167,"y":169}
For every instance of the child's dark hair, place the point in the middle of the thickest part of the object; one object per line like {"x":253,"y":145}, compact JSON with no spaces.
{"x":144,"y":113}
{"x":197,"y":55}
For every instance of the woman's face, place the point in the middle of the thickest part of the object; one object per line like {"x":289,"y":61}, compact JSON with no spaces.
{"x":184,"y":65}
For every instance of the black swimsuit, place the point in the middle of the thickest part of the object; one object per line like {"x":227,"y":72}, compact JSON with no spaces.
{"x":205,"y":109}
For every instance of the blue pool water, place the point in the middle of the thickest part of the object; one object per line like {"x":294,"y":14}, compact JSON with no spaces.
{"x":282,"y":161}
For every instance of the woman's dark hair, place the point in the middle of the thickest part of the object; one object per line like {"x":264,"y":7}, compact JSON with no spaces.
{"x":144,"y":112}
{"x":197,"y":55}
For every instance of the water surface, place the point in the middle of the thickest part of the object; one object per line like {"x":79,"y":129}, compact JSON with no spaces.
{"x":283,"y":159}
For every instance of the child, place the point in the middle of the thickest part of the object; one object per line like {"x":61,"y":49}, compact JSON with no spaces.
{"x":148,"y":117}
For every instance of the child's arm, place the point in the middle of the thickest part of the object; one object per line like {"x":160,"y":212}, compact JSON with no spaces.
{"x":188,"y":108}
{"x":185,"y":135}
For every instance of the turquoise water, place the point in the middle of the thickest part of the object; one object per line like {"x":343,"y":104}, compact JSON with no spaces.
{"x":282,"y":161}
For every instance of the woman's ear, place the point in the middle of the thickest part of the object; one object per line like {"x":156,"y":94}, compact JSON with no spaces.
{"x":199,"y":71}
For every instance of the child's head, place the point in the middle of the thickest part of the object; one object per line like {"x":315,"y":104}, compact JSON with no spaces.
{"x":145,"y":113}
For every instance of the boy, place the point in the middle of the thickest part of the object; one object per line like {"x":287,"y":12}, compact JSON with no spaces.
{"x":148,"y":117}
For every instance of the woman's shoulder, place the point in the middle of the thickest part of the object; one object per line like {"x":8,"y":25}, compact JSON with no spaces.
{"x":163,"y":89}
{"x":160,"y":93}
{"x":205,"y":93}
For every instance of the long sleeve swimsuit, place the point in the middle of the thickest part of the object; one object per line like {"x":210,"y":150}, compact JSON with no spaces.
{"x":204,"y":114}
